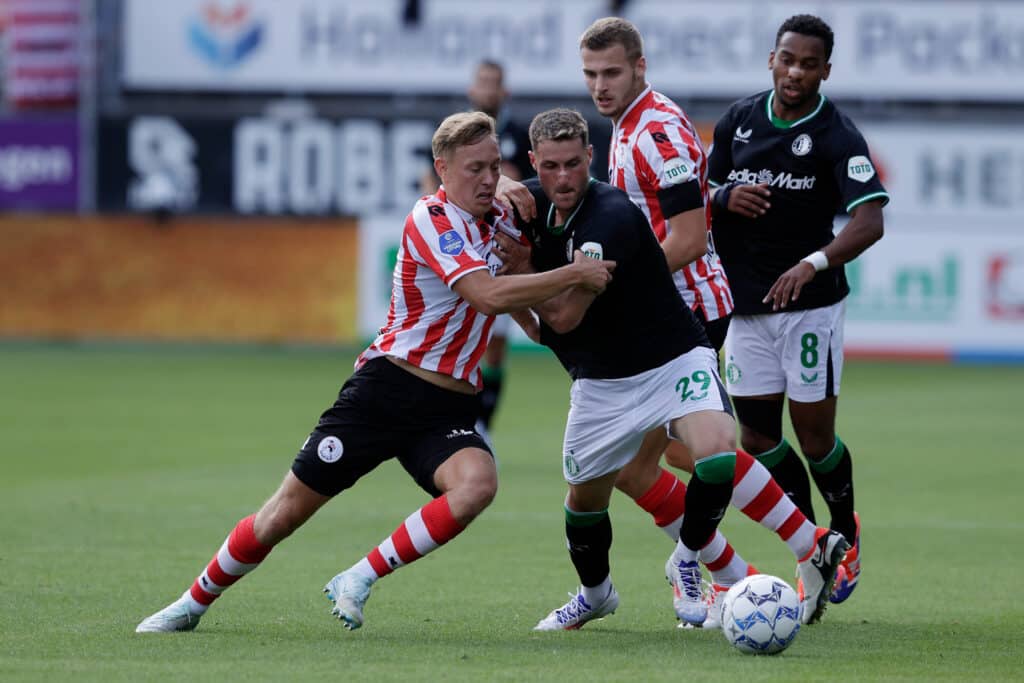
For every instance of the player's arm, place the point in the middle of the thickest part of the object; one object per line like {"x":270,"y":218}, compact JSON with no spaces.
{"x":565,"y":312}
{"x":687,"y":238}
{"x":494,"y":295}
{"x":746,"y":200}
{"x":864,"y":229}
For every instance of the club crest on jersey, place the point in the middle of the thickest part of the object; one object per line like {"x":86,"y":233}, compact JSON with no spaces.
{"x":593,"y":250}
{"x":451,"y":243}
{"x":330,"y":449}
{"x":859,"y":168}
{"x":676,"y":171}
{"x":742,"y":135}
{"x":802,"y":145}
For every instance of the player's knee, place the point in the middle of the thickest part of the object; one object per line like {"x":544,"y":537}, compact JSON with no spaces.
{"x":475,"y":491}
{"x":816,"y":444}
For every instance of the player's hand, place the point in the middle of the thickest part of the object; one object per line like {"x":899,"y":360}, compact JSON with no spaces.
{"x":515,"y":256}
{"x":596,"y":273}
{"x":513,"y":193}
{"x":749,"y":200}
{"x":787,"y":287}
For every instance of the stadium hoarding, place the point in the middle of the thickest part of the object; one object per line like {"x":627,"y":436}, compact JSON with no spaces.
{"x":971,"y":172}
{"x":902,"y":49}
{"x":261,"y":165}
{"x":914,"y":294}
{"x":269,"y":280}
{"x":39,"y":163}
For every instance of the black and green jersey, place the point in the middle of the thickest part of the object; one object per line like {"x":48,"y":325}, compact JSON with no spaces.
{"x":639,"y":322}
{"x":815,"y":167}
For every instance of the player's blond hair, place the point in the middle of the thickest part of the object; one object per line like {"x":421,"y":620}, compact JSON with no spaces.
{"x":460,"y":130}
{"x":610,"y":31}
{"x":558,"y":124}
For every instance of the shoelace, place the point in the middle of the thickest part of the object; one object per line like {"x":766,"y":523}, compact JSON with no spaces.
{"x":573,"y":609}
{"x":690,"y":578}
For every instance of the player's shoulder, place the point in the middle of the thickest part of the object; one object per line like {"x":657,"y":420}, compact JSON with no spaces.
{"x":839,"y":121}
{"x":743,"y":108}
{"x":431,"y":208}
{"x":610,"y":202}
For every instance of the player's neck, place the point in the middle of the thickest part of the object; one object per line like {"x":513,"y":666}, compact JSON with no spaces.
{"x":780,"y":113}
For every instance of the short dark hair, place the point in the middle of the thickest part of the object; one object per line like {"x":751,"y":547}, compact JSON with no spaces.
{"x":808,"y":25}
{"x":558,"y":124}
{"x":611,"y":31}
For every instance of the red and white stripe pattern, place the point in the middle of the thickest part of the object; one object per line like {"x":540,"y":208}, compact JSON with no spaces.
{"x":652,"y":131}
{"x":763,"y":500}
{"x":425,"y":530}
{"x":429,"y":324}
{"x":42,"y":52}
{"x":239,"y":555}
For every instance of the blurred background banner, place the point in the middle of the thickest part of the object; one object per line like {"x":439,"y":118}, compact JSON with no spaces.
{"x":196,"y":279}
{"x":269,"y":164}
{"x":917,"y":49}
{"x":260,"y":156}
{"x":38,"y":162}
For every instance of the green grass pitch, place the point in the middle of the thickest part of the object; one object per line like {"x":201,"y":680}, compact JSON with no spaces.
{"x":123,"y":468}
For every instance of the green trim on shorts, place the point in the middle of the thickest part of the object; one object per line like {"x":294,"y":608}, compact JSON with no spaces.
{"x":584,"y":519}
{"x":773,"y":457}
{"x":718,"y":468}
{"x":830,"y":461}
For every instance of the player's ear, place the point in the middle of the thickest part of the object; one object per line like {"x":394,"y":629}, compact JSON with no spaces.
{"x":533,"y":160}
{"x":440,"y":167}
{"x":590,"y":154}
{"x":771,"y":60}
{"x":641,"y":65}
{"x":826,"y":71}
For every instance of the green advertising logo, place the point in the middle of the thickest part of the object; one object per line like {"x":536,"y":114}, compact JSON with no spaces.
{"x":911,"y":293}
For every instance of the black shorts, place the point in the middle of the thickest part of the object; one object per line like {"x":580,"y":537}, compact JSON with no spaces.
{"x":385,"y":412}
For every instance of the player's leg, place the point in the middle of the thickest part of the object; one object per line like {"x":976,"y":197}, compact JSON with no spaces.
{"x":243,"y":550}
{"x":601,"y":437}
{"x":663,"y":495}
{"x":588,"y":532}
{"x":816,"y":352}
{"x":449,"y":460}
{"x":756,"y":380}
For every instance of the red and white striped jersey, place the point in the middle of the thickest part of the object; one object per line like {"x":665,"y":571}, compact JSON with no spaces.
{"x":655,"y":148}
{"x":428,"y":323}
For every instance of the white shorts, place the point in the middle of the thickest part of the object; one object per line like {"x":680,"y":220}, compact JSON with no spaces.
{"x":799,"y":353}
{"x":609,"y":417}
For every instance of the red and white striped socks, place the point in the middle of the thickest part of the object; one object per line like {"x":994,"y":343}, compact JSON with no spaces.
{"x":759,"y":497}
{"x":425,"y":530}
{"x":240,"y":554}
{"x":666,"y":502}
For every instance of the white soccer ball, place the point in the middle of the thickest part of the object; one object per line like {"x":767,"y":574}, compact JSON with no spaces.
{"x":761,"y":615}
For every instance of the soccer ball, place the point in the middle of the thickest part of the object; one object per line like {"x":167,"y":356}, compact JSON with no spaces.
{"x":761,"y":615}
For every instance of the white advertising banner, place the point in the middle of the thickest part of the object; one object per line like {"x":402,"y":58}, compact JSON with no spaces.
{"x":941,"y":293}
{"x":972,"y":173}
{"x":905,"y":49}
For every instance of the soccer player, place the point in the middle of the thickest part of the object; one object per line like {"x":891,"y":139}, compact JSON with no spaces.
{"x":784,"y":162}
{"x":412,"y":394}
{"x":487,"y":93}
{"x":639,"y":360}
{"x":657,"y":158}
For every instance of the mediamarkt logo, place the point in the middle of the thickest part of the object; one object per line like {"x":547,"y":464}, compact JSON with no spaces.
{"x":784,"y":180}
